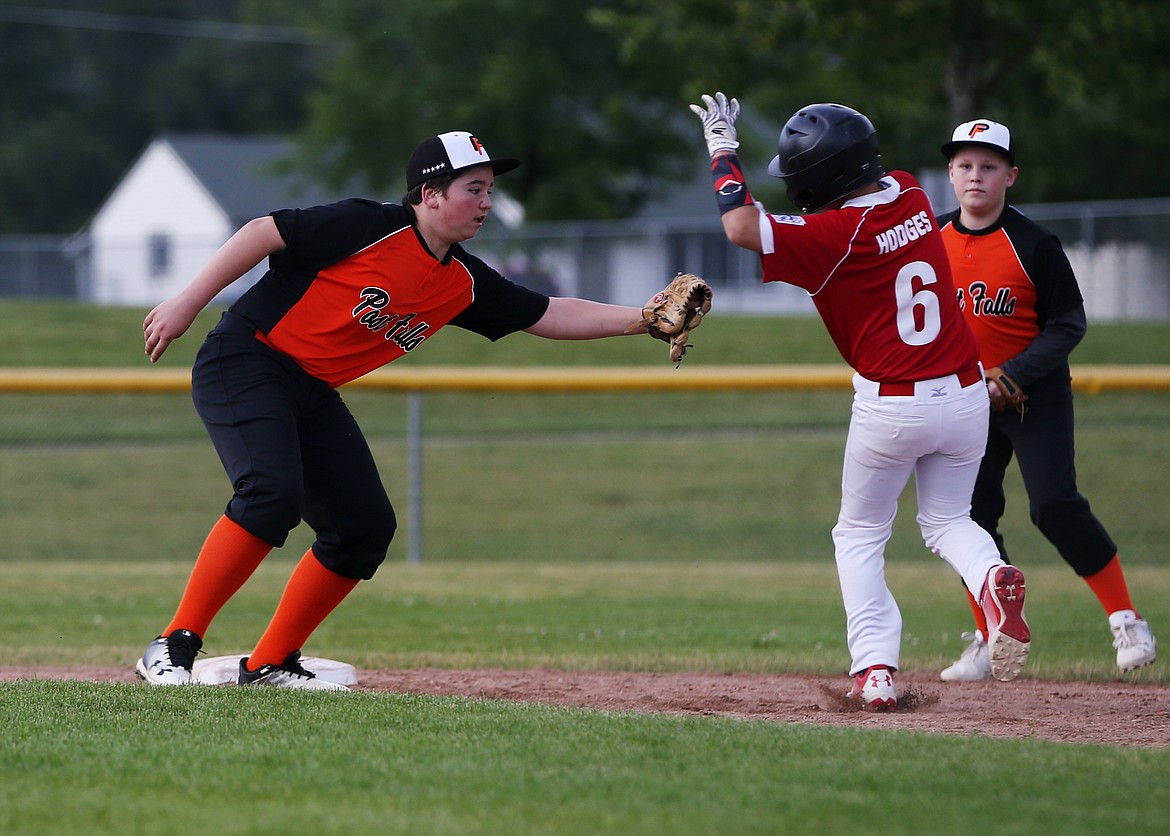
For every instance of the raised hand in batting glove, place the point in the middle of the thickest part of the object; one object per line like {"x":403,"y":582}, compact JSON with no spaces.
{"x":1004,"y":392}
{"x":718,"y":116}
{"x":675,"y":311}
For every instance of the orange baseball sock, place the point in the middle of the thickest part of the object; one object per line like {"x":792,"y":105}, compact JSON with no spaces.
{"x":1110,"y":587}
{"x":977,"y":612}
{"x":313,"y":592}
{"x":228,"y":558}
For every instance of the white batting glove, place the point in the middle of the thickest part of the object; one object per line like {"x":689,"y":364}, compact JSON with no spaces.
{"x":718,"y":117}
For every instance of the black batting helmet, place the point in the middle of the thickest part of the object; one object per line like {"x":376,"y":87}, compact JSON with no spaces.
{"x":827,"y":151}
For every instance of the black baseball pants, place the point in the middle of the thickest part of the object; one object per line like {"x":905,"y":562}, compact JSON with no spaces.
{"x":1042,"y":440}
{"x":292,"y":451}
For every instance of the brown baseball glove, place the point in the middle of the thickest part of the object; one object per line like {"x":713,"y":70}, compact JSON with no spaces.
{"x":675,"y":311}
{"x":1005,"y":393}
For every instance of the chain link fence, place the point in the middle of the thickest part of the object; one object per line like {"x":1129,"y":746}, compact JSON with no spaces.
{"x":1119,"y":249}
{"x":37,"y":267}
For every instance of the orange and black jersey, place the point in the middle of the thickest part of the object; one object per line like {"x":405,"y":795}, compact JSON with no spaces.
{"x":357,"y":288}
{"x":1018,"y":292}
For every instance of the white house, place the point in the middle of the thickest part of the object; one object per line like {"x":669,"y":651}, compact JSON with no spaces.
{"x":184,"y":196}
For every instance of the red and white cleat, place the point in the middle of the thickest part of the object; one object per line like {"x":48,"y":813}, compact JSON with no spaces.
{"x":1009,"y":638}
{"x":875,"y":688}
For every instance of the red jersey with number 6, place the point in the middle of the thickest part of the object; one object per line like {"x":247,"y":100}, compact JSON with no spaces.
{"x":878,"y":273}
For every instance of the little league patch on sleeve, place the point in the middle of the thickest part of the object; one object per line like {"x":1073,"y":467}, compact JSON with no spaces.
{"x":793,"y":220}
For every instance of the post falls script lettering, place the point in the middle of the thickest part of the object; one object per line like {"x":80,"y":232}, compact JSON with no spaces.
{"x":402,"y":329}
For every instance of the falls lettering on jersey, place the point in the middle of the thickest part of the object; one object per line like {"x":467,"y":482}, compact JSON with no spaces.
{"x":1002,"y":304}
{"x":400,"y":329}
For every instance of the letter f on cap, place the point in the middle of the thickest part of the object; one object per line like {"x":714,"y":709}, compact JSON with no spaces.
{"x":978,"y":128}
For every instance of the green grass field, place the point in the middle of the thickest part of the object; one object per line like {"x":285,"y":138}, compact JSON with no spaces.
{"x":547,"y":543}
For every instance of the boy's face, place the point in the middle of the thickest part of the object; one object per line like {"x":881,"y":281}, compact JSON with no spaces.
{"x":980,"y":177}
{"x":465,"y":206}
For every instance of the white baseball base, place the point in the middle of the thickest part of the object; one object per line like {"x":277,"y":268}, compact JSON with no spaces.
{"x":223,"y":670}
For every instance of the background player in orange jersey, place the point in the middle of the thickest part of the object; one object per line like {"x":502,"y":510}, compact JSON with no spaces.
{"x":1019,"y":294}
{"x":351,"y":286}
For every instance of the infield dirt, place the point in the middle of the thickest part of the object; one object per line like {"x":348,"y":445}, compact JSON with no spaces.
{"x":1112,"y":713}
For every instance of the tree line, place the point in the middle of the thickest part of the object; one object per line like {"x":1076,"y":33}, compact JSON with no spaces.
{"x":592,"y":96}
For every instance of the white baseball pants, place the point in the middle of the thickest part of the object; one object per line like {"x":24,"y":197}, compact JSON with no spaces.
{"x":938,"y":434}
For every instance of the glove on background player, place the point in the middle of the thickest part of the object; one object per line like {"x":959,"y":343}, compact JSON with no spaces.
{"x":1004,"y":392}
{"x":671,"y":314}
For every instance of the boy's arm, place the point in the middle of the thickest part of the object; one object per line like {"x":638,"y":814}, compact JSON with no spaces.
{"x":568,"y":318}
{"x":252,"y":243}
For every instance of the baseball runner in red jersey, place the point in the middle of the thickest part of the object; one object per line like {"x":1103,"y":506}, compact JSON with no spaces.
{"x":350,"y":286}
{"x":868,"y":252}
{"x":1017,"y":291}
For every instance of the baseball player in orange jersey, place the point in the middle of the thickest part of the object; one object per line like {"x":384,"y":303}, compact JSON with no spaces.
{"x":351,"y":286}
{"x":869,"y":254}
{"x":1018,"y":292}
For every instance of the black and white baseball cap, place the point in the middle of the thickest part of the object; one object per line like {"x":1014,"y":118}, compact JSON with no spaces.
{"x":450,"y":152}
{"x":981,"y":132}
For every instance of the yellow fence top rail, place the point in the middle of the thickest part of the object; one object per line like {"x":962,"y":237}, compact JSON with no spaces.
{"x":1091,"y":379}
